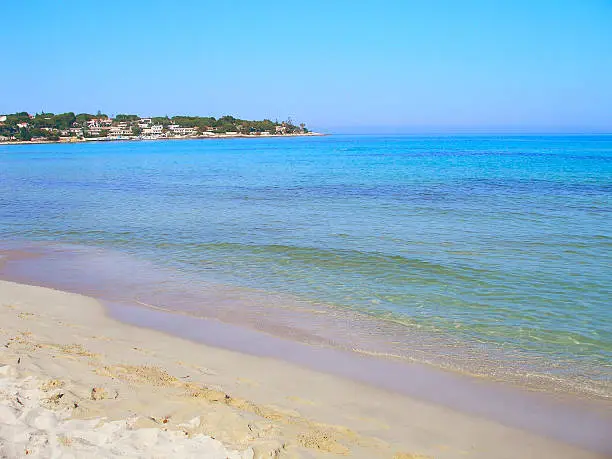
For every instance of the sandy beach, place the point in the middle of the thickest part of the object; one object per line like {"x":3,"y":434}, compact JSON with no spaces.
{"x":76,"y":383}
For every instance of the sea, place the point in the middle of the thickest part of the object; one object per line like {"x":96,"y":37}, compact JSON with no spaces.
{"x":484,"y":255}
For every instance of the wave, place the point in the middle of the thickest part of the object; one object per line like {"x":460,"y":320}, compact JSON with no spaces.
{"x":359,"y":262}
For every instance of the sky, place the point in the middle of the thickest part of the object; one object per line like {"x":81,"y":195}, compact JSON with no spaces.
{"x":338,"y":66}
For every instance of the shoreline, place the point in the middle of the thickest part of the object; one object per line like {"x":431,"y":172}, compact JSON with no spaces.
{"x":53,"y":334}
{"x":258,"y":312}
{"x":552,"y":415}
{"x":136,"y":139}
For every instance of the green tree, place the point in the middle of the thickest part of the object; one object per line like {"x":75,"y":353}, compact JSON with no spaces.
{"x":24,"y":134}
{"x":123,"y":117}
{"x":6,"y":131}
{"x":82,"y":118}
{"x":64,"y":120}
{"x":163,"y":120}
{"x":16,"y":118}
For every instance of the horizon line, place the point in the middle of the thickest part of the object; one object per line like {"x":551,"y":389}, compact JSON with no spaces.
{"x":467,"y":133}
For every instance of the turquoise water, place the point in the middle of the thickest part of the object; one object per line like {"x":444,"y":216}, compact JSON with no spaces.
{"x":497,"y":242}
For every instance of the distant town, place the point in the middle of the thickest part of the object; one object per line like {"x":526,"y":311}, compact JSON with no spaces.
{"x":68,"y":127}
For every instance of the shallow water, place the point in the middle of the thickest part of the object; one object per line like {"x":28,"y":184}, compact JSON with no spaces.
{"x":485,"y":254}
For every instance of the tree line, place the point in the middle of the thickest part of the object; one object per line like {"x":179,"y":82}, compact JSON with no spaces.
{"x":49,"y":125}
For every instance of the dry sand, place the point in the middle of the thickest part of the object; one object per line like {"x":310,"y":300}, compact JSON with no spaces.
{"x":76,"y":383}
{"x":33,"y":424}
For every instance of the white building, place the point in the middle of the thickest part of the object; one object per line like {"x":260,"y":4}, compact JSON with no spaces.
{"x":182,"y":131}
{"x":95,"y":130}
{"x":156,"y":129}
{"x":144,"y":123}
{"x":118,"y":131}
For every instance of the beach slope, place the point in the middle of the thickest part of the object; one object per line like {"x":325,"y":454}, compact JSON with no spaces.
{"x":74,"y":381}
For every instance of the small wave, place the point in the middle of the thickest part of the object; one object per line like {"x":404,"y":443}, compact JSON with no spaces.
{"x":362,"y":262}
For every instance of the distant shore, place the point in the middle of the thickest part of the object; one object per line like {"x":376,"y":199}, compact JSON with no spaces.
{"x":73,"y":140}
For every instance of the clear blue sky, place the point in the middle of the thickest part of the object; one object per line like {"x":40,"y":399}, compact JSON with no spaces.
{"x":337,"y":65}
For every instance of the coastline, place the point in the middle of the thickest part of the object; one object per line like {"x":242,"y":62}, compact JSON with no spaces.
{"x":271,"y":406}
{"x":137,"y":139}
{"x":144,"y":289}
